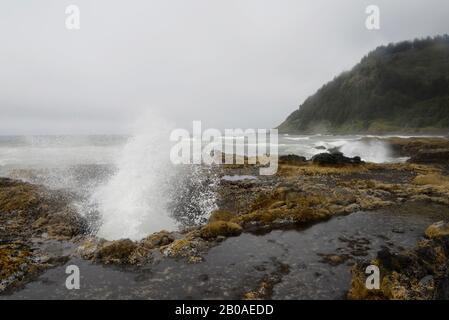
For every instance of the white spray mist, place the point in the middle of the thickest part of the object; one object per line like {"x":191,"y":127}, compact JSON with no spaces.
{"x":133,"y":202}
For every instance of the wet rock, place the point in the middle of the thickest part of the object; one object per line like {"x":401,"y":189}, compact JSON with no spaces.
{"x":30,"y":211}
{"x":277,"y":204}
{"x":370,"y":202}
{"x":334,"y":259}
{"x":158,"y":239}
{"x":427,"y":281}
{"x":352,"y":208}
{"x":89,"y":246}
{"x":437,"y":230}
{"x":393,"y":261}
{"x":398,"y":230}
{"x":203,"y":277}
{"x":336,"y":158}
{"x":334,"y":150}
{"x":265,"y":287}
{"x":179,"y":247}
{"x":442,"y":289}
{"x":220,"y":238}
{"x":62,"y":231}
{"x":408,"y":147}
{"x":14,"y":262}
{"x":220,"y":228}
{"x":430,"y":156}
{"x":190,"y":247}
{"x":292,"y":159}
{"x":431,"y":179}
{"x":344,"y":196}
{"x":420,"y":273}
{"x":19,"y":263}
{"x":336,"y":209}
{"x":221,"y":215}
{"x":116,"y":252}
{"x":420,"y":198}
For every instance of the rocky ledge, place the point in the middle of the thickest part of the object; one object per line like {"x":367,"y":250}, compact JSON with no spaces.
{"x":28,"y":213}
{"x":421,"y":273}
{"x":421,"y":150}
{"x":301,"y":193}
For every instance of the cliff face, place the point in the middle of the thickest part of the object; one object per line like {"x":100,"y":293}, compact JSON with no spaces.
{"x":401,"y":87}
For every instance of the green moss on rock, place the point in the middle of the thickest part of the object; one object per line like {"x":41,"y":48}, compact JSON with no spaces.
{"x":13,"y":259}
{"x":221,"y":215}
{"x":119,"y":252}
{"x":220,"y":228}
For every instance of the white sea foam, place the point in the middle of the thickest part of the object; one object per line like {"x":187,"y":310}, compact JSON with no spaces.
{"x":297,"y":138}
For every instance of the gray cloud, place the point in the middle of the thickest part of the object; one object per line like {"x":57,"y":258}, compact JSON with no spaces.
{"x":233,"y":63}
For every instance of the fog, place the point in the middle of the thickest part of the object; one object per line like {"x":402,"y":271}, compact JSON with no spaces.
{"x":230,"y":64}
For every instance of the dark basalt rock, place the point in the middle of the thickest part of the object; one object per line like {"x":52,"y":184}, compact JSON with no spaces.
{"x":393,"y":261}
{"x":442,"y":290}
{"x":335,"y":158}
{"x":418,"y":273}
{"x":292,"y":158}
{"x":430,"y":156}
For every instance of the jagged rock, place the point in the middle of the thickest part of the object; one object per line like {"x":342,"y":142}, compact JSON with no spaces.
{"x":335,"y":158}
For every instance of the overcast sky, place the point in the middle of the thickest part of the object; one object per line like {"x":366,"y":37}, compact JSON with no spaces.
{"x":229,"y":63}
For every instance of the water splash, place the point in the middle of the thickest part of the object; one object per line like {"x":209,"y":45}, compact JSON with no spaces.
{"x":134,"y":201}
{"x":147,"y":193}
{"x":195,"y":192}
{"x":371,"y":150}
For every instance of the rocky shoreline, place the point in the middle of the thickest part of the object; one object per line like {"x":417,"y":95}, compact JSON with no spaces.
{"x":300,"y":194}
{"x":419,"y":274}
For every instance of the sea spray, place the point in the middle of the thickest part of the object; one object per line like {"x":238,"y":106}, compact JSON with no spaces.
{"x":147,"y":192}
{"x":371,"y":150}
{"x":195,"y":192}
{"x":133,"y":202}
